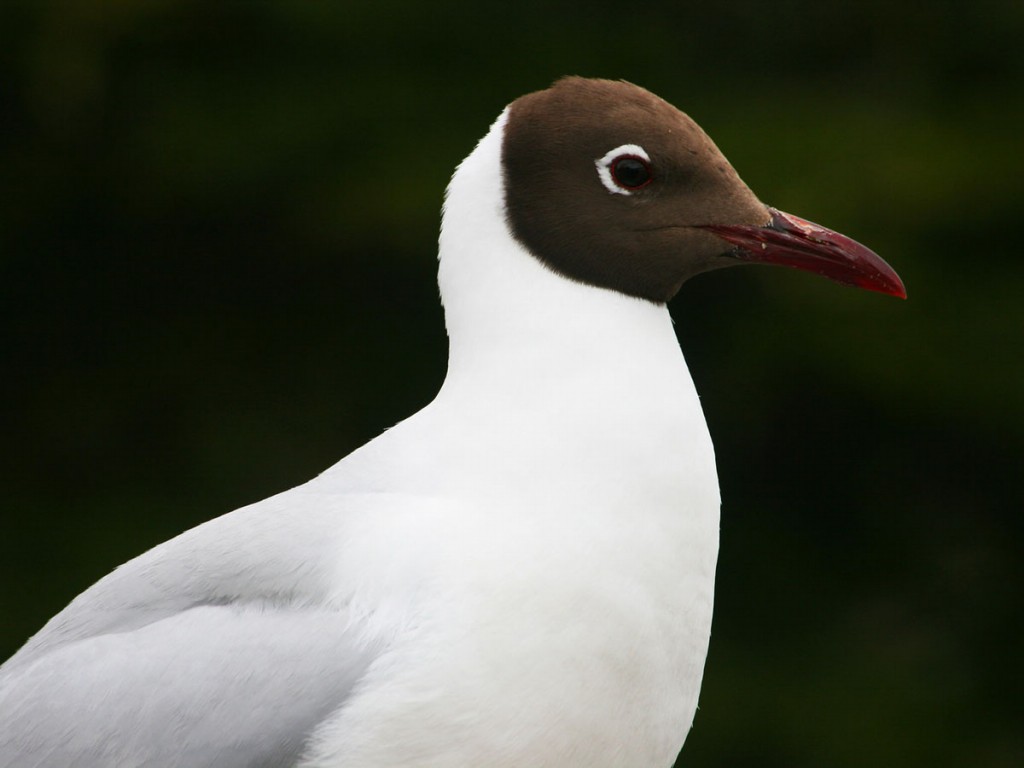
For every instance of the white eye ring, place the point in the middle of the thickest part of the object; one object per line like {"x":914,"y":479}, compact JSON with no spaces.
{"x":604,"y":166}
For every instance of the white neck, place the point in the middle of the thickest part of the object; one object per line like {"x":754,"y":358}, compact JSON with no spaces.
{"x":600,"y":366}
{"x":504,"y":308}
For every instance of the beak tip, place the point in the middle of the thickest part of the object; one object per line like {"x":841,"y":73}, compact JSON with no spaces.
{"x":891,"y":284}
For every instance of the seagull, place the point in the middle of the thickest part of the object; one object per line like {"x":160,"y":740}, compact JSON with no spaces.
{"x":521,"y":573}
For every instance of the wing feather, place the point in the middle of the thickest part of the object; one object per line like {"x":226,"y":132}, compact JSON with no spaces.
{"x":223,"y":686}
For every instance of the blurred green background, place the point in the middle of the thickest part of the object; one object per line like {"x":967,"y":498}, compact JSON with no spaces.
{"x":217,"y":258}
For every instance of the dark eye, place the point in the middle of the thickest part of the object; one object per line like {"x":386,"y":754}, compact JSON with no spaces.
{"x":625,"y":169}
{"x":631,"y":172}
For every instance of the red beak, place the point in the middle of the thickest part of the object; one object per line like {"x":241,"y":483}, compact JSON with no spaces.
{"x":794,"y":242}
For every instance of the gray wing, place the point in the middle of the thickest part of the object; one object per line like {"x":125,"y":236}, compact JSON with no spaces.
{"x":213,"y":685}
{"x":224,"y":646}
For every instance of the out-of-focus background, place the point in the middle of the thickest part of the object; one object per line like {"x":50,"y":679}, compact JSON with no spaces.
{"x":217,"y":255}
